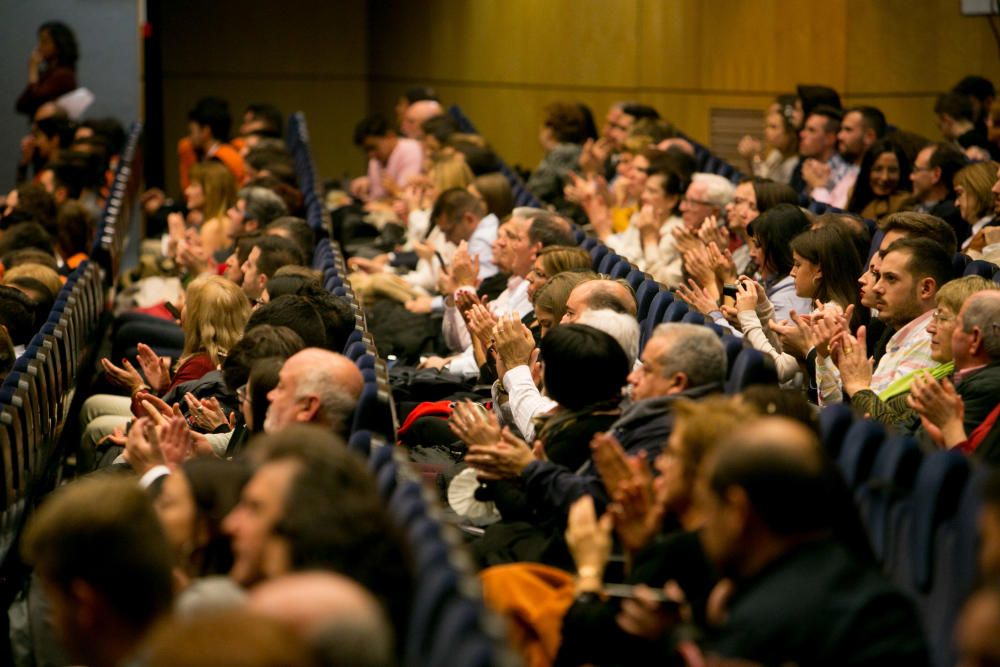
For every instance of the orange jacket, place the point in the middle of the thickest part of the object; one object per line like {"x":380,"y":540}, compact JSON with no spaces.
{"x":187,"y":157}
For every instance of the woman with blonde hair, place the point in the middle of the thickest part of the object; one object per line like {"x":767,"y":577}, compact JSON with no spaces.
{"x":213,"y":316}
{"x":976,"y":201}
{"x":211,"y":192}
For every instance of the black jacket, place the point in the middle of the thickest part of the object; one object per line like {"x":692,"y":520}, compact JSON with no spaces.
{"x":818,"y":606}
{"x":643,"y":426}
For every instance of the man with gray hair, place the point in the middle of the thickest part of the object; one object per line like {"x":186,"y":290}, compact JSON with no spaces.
{"x":707,"y":196}
{"x":255,"y":207}
{"x":680,"y":361}
{"x":975,"y":347}
{"x":315,"y":386}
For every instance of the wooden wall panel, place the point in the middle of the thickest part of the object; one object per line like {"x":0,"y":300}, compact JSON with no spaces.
{"x":301,"y":55}
{"x":734,"y":45}
{"x":556,"y":42}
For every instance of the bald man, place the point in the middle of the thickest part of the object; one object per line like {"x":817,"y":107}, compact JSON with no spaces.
{"x":771,"y":503}
{"x":338,"y":617}
{"x":415,"y":116}
{"x":315,"y":386}
{"x":599,"y":295}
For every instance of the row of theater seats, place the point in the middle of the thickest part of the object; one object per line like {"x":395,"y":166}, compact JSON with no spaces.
{"x":448,"y":624}
{"x":36,"y":397}
{"x":297,"y":141}
{"x":919,"y":511}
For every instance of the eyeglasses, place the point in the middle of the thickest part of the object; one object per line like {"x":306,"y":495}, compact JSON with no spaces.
{"x":940,"y":316}
{"x":241,"y":394}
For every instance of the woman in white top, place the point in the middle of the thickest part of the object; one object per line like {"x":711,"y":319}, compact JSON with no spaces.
{"x":648,"y":242}
{"x":976,"y":201}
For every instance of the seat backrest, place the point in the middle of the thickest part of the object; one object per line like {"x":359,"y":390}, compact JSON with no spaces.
{"x":657,"y":308}
{"x":644,"y":297}
{"x":675,"y":311}
{"x":597,"y":255}
{"x":858,"y":450}
{"x":608,"y":262}
{"x":980,"y":267}
{"x":936,"y":494}
{"x":751,"y":367}
{"x":693,"y":317}
{"x":834,"y":421}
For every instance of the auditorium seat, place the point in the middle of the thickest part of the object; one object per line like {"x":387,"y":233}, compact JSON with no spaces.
{"x":893,"y":474}
{"x":608,"y":262}
{"x":751,"y":367}
{"x":644,"y":295}
{"x":980,"y":267}
{"x":834,"y":422}
{"x":858,"y":450}
{"x":675,"y":311}
{"x":657,"y":308}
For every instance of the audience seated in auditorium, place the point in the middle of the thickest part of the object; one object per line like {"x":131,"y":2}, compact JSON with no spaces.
{"x":951,"y":409}
{"x":910,"y":274}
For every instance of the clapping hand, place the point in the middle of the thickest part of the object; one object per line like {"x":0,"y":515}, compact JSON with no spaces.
{"x":505,"y":459}
{"x":207,"y":414}
{"x":610,"y":460}
{"x":474,"y":425}
{"x":588,"y":539}
{"x":154,"y":367}
{"x":941,"y":409}
{"x":850,"y":354}
{"x":514,"y":342}
{"x":697,"y":297}
{"x":123,"y":376}
{"x":464,"y":267}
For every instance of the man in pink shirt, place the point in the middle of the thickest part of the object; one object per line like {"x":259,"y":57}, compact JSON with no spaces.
{"x":392,"y":160}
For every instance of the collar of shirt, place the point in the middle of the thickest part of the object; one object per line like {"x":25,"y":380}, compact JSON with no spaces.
{"x":979,"y":224}
{"x":966,"y":372}
{"x":916,"y":326}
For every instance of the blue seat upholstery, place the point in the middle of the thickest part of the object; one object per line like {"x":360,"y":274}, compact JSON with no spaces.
{"x":644,"y":295}
{"x":751,"y":367}
{"x":657,"y":308}
{"x":834,"y":421}
{"x":858,"y":450}
{"x":608,"y":262}
{"x":675,"y":311}
{"x":980,"y":267}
